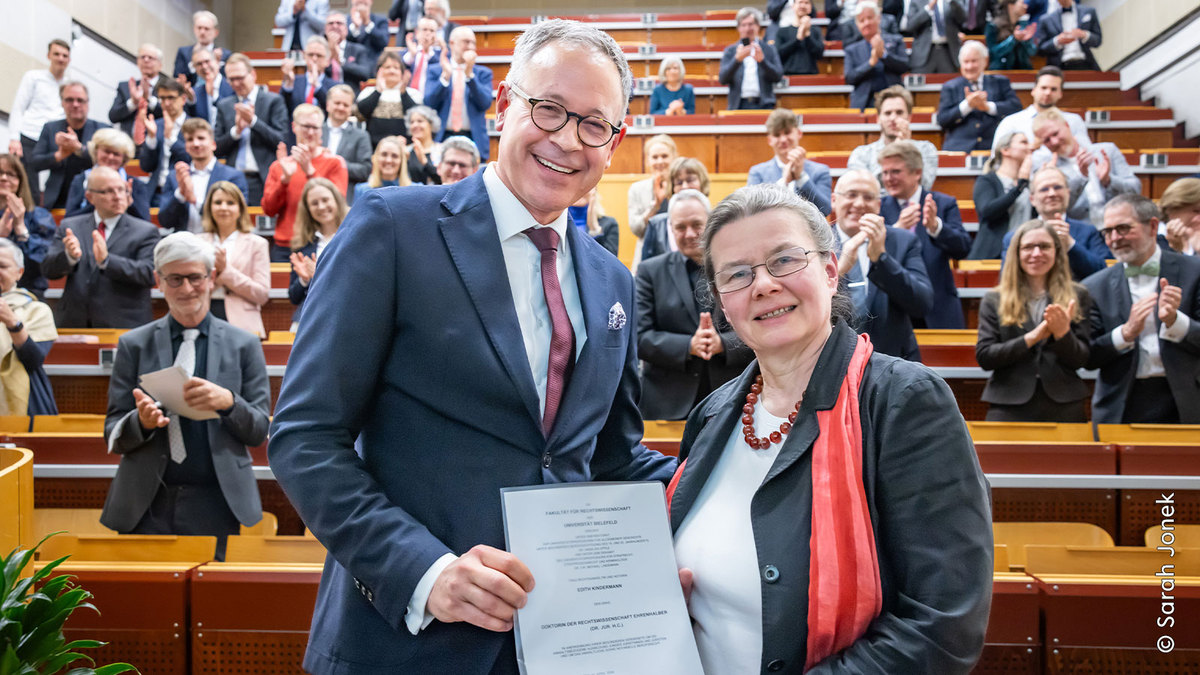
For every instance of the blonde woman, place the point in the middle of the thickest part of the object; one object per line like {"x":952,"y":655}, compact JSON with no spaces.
{"x":243,"y":261}
{"x":320,"y":213}
{"x":388,"y":166}
{"x":649,"y":195}
{"x":1033,"y":333}
{"x":1180,"y":204}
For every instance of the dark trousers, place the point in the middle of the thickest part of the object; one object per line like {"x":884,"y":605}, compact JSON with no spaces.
{"x":35,"y":187}
{"x":254,"y":184}
{"x":1039,"y":408}
{"x":280,"y":254}
{"x":1077,"y":64}
{"x":940,"y":61}
{"x":1150,"y":402}
{"x":754,"y":104}
{"x":190,"y":510}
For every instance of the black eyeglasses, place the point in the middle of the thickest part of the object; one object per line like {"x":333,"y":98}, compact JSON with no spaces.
{"x":593,"y":131}
{"x":1123,"y":229}
{"x":783,"y":263}
{"x":176,"y":280}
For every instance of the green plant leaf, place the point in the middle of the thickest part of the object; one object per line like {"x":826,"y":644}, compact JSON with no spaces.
{"x":114,"y":668}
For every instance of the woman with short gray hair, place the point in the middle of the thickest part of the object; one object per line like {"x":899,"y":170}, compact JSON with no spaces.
{"x":26,"y":337}
{"x":424,"y":153}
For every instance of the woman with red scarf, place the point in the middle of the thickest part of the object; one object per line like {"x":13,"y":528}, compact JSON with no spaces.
{"x":829,"y":507}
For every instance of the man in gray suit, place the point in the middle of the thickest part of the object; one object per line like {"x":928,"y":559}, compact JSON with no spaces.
{"x":106,"y":257}
{"x":250,"y":125}
{"x":181,"y":475}
{"x":934,"y":27}
{"x":345,"y":139}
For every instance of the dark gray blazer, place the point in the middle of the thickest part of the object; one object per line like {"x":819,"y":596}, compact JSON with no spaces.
{"x":928,"y":501}
{"x":54,"y":195}
{"x":1110,"y":308}
{"x":268,"y":131}
{"x":117,"y":296}
{"x":355,"y":148}
{"x":668,"y":315}
{"x":770,"y":71}
{"x":1016,"y":367}
{"x":235,"y":361}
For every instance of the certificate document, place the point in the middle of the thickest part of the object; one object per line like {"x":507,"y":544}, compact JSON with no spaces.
{"x":606,"y":597}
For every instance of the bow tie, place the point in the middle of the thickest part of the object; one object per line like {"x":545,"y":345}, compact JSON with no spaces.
{"x":1066,"y":10}
{"x":1150,"y":269}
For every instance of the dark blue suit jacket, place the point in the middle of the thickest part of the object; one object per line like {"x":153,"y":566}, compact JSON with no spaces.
{"x":440,"y":435}
{"x":151,"y":159}
{"x":183,"y":62}
{"x":139,"y":205}
{"x":1181,"y":360}
{"x":1087,"y":256}
{"x":975,"y":131}
{"x":173,"y":214}
{"x":375,"y":40}
{"x":952,"y":243}
{"x":818,"y":189}
{"x":199,"y":107}
{"x":1050,"y":25}
{"x":479,"y":99}
{"x":898,"y":289}
{"x":866,"y":79}
{"x":770,"y":71}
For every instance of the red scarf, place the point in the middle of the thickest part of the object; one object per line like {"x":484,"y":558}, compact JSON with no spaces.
{"x":844,"y":591}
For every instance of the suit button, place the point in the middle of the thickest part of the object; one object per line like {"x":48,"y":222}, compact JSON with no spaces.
{"x":775,"y":666}
{"x":546,"y":461}
{"x":770,"y":574}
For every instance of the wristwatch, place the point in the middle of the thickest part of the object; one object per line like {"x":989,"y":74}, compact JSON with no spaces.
{"x":17,"y":328}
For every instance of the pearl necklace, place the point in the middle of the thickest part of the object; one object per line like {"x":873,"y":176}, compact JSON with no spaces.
{"x":751,"y":437}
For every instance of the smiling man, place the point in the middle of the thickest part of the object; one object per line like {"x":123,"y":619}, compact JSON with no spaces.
{"x":791,"y":166}
{"x":470,"y":338}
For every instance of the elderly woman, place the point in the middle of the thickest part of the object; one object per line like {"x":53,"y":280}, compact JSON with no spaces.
{"x":1002,"y":195}
{"x":800,"y":45}
{"x":1010,"y":40}
{"x":31,"y":228}
{"x":318,"y":217}
{"x":649,"y":195}
{"x":672,"y":96}
{"x":243,"y":260}
{"x":384,"y":104}
{"x":686,"y":173}
{"x":1033,"y":333}
{"x":830,"y":507}
{"x":27,"y":337}
{"x":388,"y":167}
{"x":111,"y":148}
{"x":424,"y":153}
{"x":1180,"y":204}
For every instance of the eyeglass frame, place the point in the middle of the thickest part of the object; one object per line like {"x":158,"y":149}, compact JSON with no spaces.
{"x":1107,"y":232}
{"x":533,"y":103}
{"x":176,"y":280}
{"x":765,"y":264}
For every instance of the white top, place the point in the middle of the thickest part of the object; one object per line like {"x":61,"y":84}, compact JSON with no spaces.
{"x":750,"y":87}
{"x":37,"y":102}
{"x":867,"y":157}
{"x":245,"y":157}
{"x":1072,"y":51}
{"x":1022,"y":121}
{"x":201,"y":175}
{"x":218,"y":292}
{"x":1149,"y":363}
{"x":523,"y":264}
{"x":716,"y":541}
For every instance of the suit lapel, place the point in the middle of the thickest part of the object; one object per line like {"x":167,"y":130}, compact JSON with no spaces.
{"x":117,"y":238}
{"x":470,"y":235}
{"x":679,"y":275}
{"x":162,"y":344}
{"x":216,"y":336}
{"x":1120,"y":291}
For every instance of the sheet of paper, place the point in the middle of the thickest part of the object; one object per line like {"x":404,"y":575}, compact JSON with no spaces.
{"x":166,"y":386}
{"x":606,"y":599}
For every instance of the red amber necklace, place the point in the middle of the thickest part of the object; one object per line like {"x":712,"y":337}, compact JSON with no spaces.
{"x":752,"y":438}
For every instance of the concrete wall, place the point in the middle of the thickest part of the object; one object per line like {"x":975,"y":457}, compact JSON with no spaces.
{"x":1129,"y":24}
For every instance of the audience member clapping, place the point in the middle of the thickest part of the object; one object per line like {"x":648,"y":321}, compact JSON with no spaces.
{"x":672,"y":96}
{"x":300,"y":20}
{"x":461,"y":90}
{"x":1180,"y":204}
{"x":30,"y":228}
{"x":424,"y":153}
{"x":877,"y":61}
{"x":423,"y":50}
{"x":318,"y":217}
{"x":649,"y":196}
{"x":388,"y":167}
{"x":1002,"y":195}
{"x":182,"y":203}
{"x":801,"y":45}
{"x":28,"y":336}
{"x":368,"y":29}
{"x":127,"y":104}
{"x":62,"y":147}
{"x":384,"y":104}
{"x":348,"y":62}
{"x":1095,"y":173}
{"x":972,"y":104}
{"x":160,"y":142}
{"x":686,"y":173}
{"x":250,"y":125}
{"x":342,"y":136}
{"x":210,"y":86}
{"x":206,"y":29}
{"x":1086,"y":251}
{"x":242,"y":262}
{"x":313,"y":85}
{"x":1009,"y":39}
{"x":791,"y":166}
{"x":111,"y":148}
{"x":1033,"y":333}
{"x":1067,"y":37}
{"x":894,"y":113}
{"x":750,"y":67}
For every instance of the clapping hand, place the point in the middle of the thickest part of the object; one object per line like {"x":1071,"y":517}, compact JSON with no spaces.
{"x":930,"y":219}
{"x":795,"y":166}
{"x":219,"y":261}
{"x":877,"y":48}
{"x":99,"y":247}
{"x":1169,"y":298}
{"x":1178,"y":234}
{"x":183,"y":176}
{"x":288,"y":69}
{"x":303,"y":158}
{"x":848,"y":257}
{"x":1058,"y":319}
{"x":1139,"y":313}
{"x":286,"y":163}
{"x":909,"y":216}
{"x":1063,"y":229}
{"x":14,"y":215}
{"x":71,"y":245}
{"x":304,"y":266}
{"x":977,"y":99}
{"x":876,"y":229}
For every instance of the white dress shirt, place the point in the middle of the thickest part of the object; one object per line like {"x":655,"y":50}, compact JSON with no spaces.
{"x":915,"y":200}
{"x":523,"y":264}
{"x":716,"y":541}
{"x":110,"y":224}
{"x":200,"y":178}
{"x":964,"y":108}
{"x":1149,"y":362}
{"x":249,"y":165}
{"x":37,"y":102}
{"x":750,"y":86}
{"x":1072,"y":51}
{"x":1022,"y":121}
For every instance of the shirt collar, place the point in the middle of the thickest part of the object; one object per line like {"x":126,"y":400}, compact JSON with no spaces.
{"x":916,"y":195}
{"x":1155,"y":257}
{"x":177,"y":328}
{"x":512,"y":218}
{"x":207,"y":168}
{"x":110,"y":223}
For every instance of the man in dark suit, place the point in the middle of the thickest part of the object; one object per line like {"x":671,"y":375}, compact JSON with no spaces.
{"x":62,"y":147}
{"x":179,"y":474}
{"x":367,"y":29}
{"x":182,"y":203}
{"x":973,"y":104}
{"x":790,"y":166}
{"x":750,"y":67}
{"x":344,"y":138}
{"x":164,"y":146}
{"x":106,"y":257}
{"x":1086,"y":252}
{"x":250,"y":126}
{"x":348,"y":62}
{"x":130,"y":94}
{"x":882,"y":266}
{"x":411,"y":541}
{"x":888,"y":25}
{"x":211,"y":86}
{"x":312,"y":85}
{"x":1145,"y":323}
{"x":206,"y":30}
{"x":686,"y":346}
{"x":934,"y":27}
{"x":1067,"y":37}
{"x":461,"y":91}
{"x":874,"y":63}
{"x":934,"y":218}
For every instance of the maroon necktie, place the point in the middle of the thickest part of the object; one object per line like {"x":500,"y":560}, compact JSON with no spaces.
{"x":562,"y":336}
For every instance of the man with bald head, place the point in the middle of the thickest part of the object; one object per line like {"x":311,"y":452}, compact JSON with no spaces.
{"x":527,"y":376}
{"x":107,"y":258}
{"x":461,"y":91}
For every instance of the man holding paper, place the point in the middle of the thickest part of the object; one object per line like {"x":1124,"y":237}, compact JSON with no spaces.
{"x":470,"y":338}
{"x":186,"y":470}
